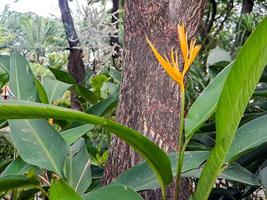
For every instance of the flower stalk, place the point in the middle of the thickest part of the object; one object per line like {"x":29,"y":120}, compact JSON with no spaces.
{"x":171,"y":66}
{"x":180,"y":148}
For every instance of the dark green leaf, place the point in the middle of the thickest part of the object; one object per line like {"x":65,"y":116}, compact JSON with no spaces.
{"x":41,"y":92}
{"x":62,"y":76}
{"x":59,"y":190}
{"x":85,"y":93}
{"x":103,"y":106}
{"x":113,"y":192}
{"x":11,"y":182}
{"x":3,"y":79}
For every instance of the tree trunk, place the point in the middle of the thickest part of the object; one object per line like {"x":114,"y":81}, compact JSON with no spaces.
{"x":149,"y":99}
{"x":114,"y":39}
{"x":247,"y":6}
{"x":75,"y":64}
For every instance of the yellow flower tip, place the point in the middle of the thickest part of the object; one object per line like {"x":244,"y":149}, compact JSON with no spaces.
{"x":194,"y":53}
{"x":183,"y":41}
{"x":51,"y":121}
{"x":171,"y":70}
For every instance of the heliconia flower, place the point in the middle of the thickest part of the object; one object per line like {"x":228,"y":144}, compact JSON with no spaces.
{"x":189,"y":55}
{"x":171,"y":68}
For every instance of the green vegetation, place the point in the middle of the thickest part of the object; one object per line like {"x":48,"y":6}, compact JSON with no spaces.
{"x":50,"y":149}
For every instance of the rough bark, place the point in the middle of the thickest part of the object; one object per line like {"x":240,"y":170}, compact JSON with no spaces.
{"x":114,"y":39}
{"x":75,"y":64}
{"x":149,"y":99}
{"x":247,"y":6}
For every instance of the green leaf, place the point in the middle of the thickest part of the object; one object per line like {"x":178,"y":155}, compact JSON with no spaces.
{"x":248,"y":137}
{"x":103,"y":106}
{"x":41,"y":92}
{"x":260,"y":92}
{"x":115,"y":74}
{"x":78,"y":167}
{"x":238,"y":88}
{"x":85,"y":93}
{"x":3,"y":79}
{"x":205,"y":105}
{"x":218,"y":55}
{"x":263,"y":177}
{"x":234,"y":172}
{"x":140,"y":177}
{"x":59,"y":190}
{"x":39,"y":144}
{"x":21,"y":81}
{"x":54,"y":89}
{"x":71,"y":135}
{"x":62,"y":76}
{"x":27,"y":194}
{"x":11,"y":182}
{"x":156,"y":158}
{"x":113,"y":192}
{"x":17,"y":166}
{"x":5,"y":62}
{"x":36,"y":141}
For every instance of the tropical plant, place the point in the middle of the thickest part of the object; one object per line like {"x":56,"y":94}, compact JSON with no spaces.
{"x":55,"y":157}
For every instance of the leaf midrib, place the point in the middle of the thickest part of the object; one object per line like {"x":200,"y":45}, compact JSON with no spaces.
{"x":43,"y":146}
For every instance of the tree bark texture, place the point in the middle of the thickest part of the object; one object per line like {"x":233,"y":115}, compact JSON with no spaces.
{"x":149,"y":99}
{"x":247,"y":6}
{"x":114,"y":39}
{"x":75,"y":64}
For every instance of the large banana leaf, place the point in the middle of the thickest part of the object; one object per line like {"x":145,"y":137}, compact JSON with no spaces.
{"x":39,"y":144}
{"x":157,"y":158}
{"x":238,"y":88}
{"x":36,"y":141}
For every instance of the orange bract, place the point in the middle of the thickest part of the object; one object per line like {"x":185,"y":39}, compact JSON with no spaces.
{"x":189,"y":55}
